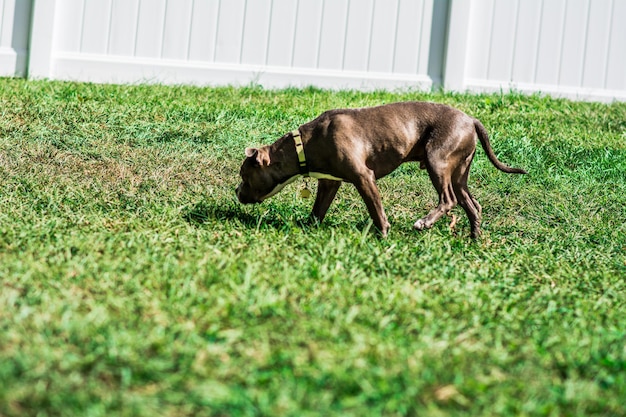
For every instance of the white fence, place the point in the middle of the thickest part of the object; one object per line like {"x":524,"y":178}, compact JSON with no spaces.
{"x":572,"y":48}
{"x":14,"y":32}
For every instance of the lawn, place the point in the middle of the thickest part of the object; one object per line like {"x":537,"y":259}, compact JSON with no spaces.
{"x":132,"y":282}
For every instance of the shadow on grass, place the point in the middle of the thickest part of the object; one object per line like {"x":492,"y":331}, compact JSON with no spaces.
{"x":252,"y":217}
{"x":209,"y":210}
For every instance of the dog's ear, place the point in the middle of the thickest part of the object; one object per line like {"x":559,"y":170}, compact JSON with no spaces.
{"x":261,"y":155}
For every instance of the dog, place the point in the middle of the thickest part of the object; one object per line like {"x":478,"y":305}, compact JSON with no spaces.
{"x":361,"y":145}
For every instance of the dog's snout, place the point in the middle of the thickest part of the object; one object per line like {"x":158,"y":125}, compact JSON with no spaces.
{"x":243,"y":198}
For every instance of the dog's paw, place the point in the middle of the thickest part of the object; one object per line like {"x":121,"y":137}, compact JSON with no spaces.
{"x":419,"y":225}
{"x":385,"y":230}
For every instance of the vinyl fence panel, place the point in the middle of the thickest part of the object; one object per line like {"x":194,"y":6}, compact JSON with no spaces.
{"x":572,"y":48}
{"x":14,"y":32}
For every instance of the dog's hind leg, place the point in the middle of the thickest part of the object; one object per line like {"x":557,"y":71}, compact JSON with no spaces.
{"x":326,"y":192}
{"x":472,"y":209}
{"x":440,"y":177}
{"x":465,"y":198}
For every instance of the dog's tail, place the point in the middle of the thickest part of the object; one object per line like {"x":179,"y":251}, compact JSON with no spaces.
{"x":484,"y":141}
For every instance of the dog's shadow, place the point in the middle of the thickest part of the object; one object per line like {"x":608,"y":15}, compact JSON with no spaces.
{"x":205,"y":210}
{"x":277,"y":216}
{"x":271,"y":216}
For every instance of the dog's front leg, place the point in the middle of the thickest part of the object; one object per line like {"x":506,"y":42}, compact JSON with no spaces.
{"x":326,"y":192}
{"x":366,"y":185}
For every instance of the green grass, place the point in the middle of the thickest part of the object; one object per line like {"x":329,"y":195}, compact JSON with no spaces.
{"x":133,"y":283}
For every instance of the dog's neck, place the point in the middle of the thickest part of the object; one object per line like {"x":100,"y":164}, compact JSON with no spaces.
{"x":291,"y":150}
{"x":302,"y":163}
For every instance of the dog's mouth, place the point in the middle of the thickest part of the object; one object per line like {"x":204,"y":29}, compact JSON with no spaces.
{"x":278,"y":187}
{"x":245,"y":198}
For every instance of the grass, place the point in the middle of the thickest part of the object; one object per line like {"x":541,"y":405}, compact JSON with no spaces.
{"x":133,"y":283}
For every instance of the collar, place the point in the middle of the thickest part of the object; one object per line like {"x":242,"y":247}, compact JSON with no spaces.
{"x":304,"y":167}
{"x":297,"y":138}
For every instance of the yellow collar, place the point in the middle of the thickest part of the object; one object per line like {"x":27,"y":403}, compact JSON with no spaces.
{"x":297,"y":138}
{"x":304,"y":169}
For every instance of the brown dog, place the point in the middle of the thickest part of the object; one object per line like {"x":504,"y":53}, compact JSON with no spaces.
{"x":361,"y":145}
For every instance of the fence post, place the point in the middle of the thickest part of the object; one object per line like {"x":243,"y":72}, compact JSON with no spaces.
{"x":456,"y":45}
{"x":42,"y":38}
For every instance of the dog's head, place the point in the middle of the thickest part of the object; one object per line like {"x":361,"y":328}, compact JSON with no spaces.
{"x":261,"y":177}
